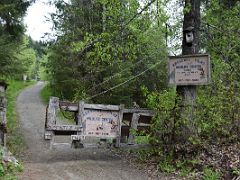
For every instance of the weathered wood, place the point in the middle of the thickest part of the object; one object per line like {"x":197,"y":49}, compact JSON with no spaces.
{"x":80,"y":112}
{"x":3,"y":113}
{"x":52,"y":111}
{"x":48,"y":135}
{"x":118,"y":139}
{"x":98,"y":113}
{"x":102,"y":107}
{"x":142,"y":111}
{"x":68,"y":106}
{"x":64,"y":128}
{"x":134,"y":124}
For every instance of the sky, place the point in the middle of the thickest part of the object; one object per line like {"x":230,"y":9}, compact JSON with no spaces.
{"x":35,"y":20}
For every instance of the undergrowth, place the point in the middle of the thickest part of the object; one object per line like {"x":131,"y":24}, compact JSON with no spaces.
{"x":8,"y":170}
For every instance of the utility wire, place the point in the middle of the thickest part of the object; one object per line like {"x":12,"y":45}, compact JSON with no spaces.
{"x":118,"y":85}
{"x":115,"y":75}
{"x":140,"y":12}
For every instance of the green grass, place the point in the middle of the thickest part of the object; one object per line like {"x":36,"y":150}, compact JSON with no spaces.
{"x":14,"y":137}
{"x":46,"y":92}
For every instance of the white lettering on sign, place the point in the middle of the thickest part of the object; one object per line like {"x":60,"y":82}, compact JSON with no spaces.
{"x":189,"y":70}
{"x":100,"y":123}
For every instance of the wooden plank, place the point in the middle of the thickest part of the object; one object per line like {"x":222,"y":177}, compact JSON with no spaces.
{"x":52,"y":111}
{"x":118,"y":139}
{"x":68,"y":106}
{"x":102,"y":107}
{"x":64,"y":133}
{"x":142,"y":111}
{"x":134,"y":124}
{"x":66,"y":103}
{"x":80,"y":112}
{"x":64,"y":128}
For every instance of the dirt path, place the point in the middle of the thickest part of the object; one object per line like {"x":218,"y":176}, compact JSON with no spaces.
{"x":63,"y":163}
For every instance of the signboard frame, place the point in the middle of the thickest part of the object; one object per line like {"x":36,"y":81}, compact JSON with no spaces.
{"x":171,"y":75}
{"x":101,"y":108}
{"x":99,"y":123}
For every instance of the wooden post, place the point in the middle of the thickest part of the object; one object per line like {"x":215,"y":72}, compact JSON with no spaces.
{"x":3,"y":113}
{"x":134,"y":124}
{"x":52,"y":111}
{"x":80,"y":113}
{"x":190,"y":45}
{"x":120,"y":117}
{"x":51,"y":119}
{"x":78,"y":142}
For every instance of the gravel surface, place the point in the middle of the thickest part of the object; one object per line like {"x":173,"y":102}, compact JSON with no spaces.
{"x":64,"y":163}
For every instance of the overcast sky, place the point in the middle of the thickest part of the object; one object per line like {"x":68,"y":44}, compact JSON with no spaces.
{"x":35,"y":19}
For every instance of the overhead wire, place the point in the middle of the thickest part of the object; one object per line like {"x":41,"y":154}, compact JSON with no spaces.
{"x":116,"y":74}
{"x":121,"y":84}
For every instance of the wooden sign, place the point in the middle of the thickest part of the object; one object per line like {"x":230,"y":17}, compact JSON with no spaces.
{"x":100,"y":123}
{"x":189,"y":70}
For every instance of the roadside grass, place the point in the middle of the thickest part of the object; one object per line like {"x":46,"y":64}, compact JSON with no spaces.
{"x":15,"y":140}
{"x":45,"y":93}
{"x":8,"y":170}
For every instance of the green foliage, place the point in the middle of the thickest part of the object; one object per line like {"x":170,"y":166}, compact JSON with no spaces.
{"x":98,"y":43}
{"x":236,"y":172}
{"x":45,"y":93}
{"x":209,"y":174}
{"x":8,"y":170}
{"x":166,"y":166}
{"x":11,"y":35}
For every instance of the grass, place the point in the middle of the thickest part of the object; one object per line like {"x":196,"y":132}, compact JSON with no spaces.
{"x":14,"y":137}
{"x":45,"y":93}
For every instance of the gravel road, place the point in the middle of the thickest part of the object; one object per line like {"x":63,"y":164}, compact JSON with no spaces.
{"x":63,"y":163}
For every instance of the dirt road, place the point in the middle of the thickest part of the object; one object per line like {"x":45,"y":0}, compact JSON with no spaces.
{"x":63,"y":163}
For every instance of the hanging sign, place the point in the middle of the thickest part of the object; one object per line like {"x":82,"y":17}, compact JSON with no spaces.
{"x":189,"y":70}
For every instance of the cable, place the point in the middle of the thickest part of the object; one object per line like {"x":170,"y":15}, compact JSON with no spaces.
{"x":137,"y":14}
{"x":114,"y":87}
{"x":115,"y":75}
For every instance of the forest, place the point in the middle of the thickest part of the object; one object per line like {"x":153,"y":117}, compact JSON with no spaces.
{"x":116,"y":52}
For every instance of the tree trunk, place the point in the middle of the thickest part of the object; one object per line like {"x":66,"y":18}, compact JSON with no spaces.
{"x":188,"y":93}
